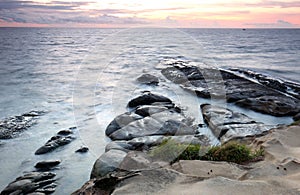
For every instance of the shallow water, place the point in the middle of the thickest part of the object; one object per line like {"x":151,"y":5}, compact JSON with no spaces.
{"x":85,"y":77}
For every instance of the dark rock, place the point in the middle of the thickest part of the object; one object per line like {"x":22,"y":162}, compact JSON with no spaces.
{"x":33,"y":182}
{"x":107,"y":162}
{"x":55,"y":142}
{"x":147,"y":99}
{"x":46,"y":165}
{"x":82,"y":149}
{"x":297,"y":117}
{"x":65,"y":132}
{"x":148,"y":79}
{"x":121,"y":121}
{"x":226,"y":124}
{"x":227,"y":85}
{"x":274,"y":105}
{"x":12,"y":126}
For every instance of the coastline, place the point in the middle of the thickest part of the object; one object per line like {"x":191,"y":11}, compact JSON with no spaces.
{"x":126,"y":167}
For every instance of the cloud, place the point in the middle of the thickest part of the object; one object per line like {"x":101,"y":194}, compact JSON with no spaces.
{"x":277,"y":24}
{"x":60,"y":12}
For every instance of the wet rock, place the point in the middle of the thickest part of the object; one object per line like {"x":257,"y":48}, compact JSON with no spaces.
{"x":33,"y":182}
{"x":296,"y":117}
{"x":277,"y":106}
{"x":47,"y":165}
{"x":65,"y":132}
{"x":121,"y":121}
{"x":228,"y":85}
{"x":107,"y":162}
{"x":148,"y":98}
{"x":119,"y":145}
{"x":82,"y":149}
{"x":148,"y":79}
{"x":12,"y":126}
{"x":157,"y":124}
{"x":226,"y":124}
{"x":54,"y":142}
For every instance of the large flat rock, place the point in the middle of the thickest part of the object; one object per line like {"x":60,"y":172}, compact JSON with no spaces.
{"x":258,"y":93}
{"x":227,"y":124}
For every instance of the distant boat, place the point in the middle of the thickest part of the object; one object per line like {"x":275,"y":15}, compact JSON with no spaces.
{"x":244,"y":29}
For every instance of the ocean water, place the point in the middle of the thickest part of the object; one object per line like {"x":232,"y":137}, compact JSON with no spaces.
{"x":85,"y":77}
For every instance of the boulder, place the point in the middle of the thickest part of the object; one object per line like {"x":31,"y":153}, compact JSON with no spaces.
{"x":148,"y":79}
{"x":148,"y":98}
{"x":82,"y":149}
{"x":121,"y":121}
{"x":47,"y":165}
{"x":107,"y":162}
{"x":226,"y":124}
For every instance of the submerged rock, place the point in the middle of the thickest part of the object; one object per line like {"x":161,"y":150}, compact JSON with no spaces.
{"x":12,"y":126}
{"x":226,"y":124}
{"x":33,"y":182}
{"x":148,"y":79}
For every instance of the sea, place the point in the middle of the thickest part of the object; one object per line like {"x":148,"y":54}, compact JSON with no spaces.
{"x":84,"y":77}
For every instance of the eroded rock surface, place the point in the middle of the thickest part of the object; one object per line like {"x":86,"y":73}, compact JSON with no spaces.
{"x":12,"y":126}
{"x":34,"y":182}
{"x":269,"y":96}
{"x":227,"y":124}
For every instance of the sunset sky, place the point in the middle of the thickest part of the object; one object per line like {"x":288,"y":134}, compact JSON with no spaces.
{"x":155,"y":13}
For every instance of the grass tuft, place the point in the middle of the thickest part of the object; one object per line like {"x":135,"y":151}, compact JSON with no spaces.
{"x":172,"y":151}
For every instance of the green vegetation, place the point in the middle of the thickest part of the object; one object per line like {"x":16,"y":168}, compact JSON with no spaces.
{"x":295,"y":123}
{"x":172,"y":151}
{"x":233,"y":152}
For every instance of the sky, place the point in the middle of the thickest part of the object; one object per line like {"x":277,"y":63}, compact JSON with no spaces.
{"x":151,"y":13}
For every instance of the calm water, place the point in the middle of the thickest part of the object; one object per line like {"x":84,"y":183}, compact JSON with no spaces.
{"x":85,"y":77}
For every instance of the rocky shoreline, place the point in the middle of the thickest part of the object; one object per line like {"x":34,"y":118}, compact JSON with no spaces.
{"x":127,"y":166}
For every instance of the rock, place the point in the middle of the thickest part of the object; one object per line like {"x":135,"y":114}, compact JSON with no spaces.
{"x":206,"y":169}
{"x":107,"y":162}
{"x":262,"y":97}
{"x":119,"y":145}
{"x":148,"y":79}
{"x":145,"y":111}
{"x":135,"y":160}
{"x":12,"y":126}
{"x":148,"y":98}
{"x":226,"y":124}
{"x":121,"y":121}
{"x":33,"y":182}
{"x":65,"y":132}
{"x":47,"y":165}
{"x":277,"y":106}
{"x":296,"y":117}
{"x":55,"y":142}
{"x":82,"y":149}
